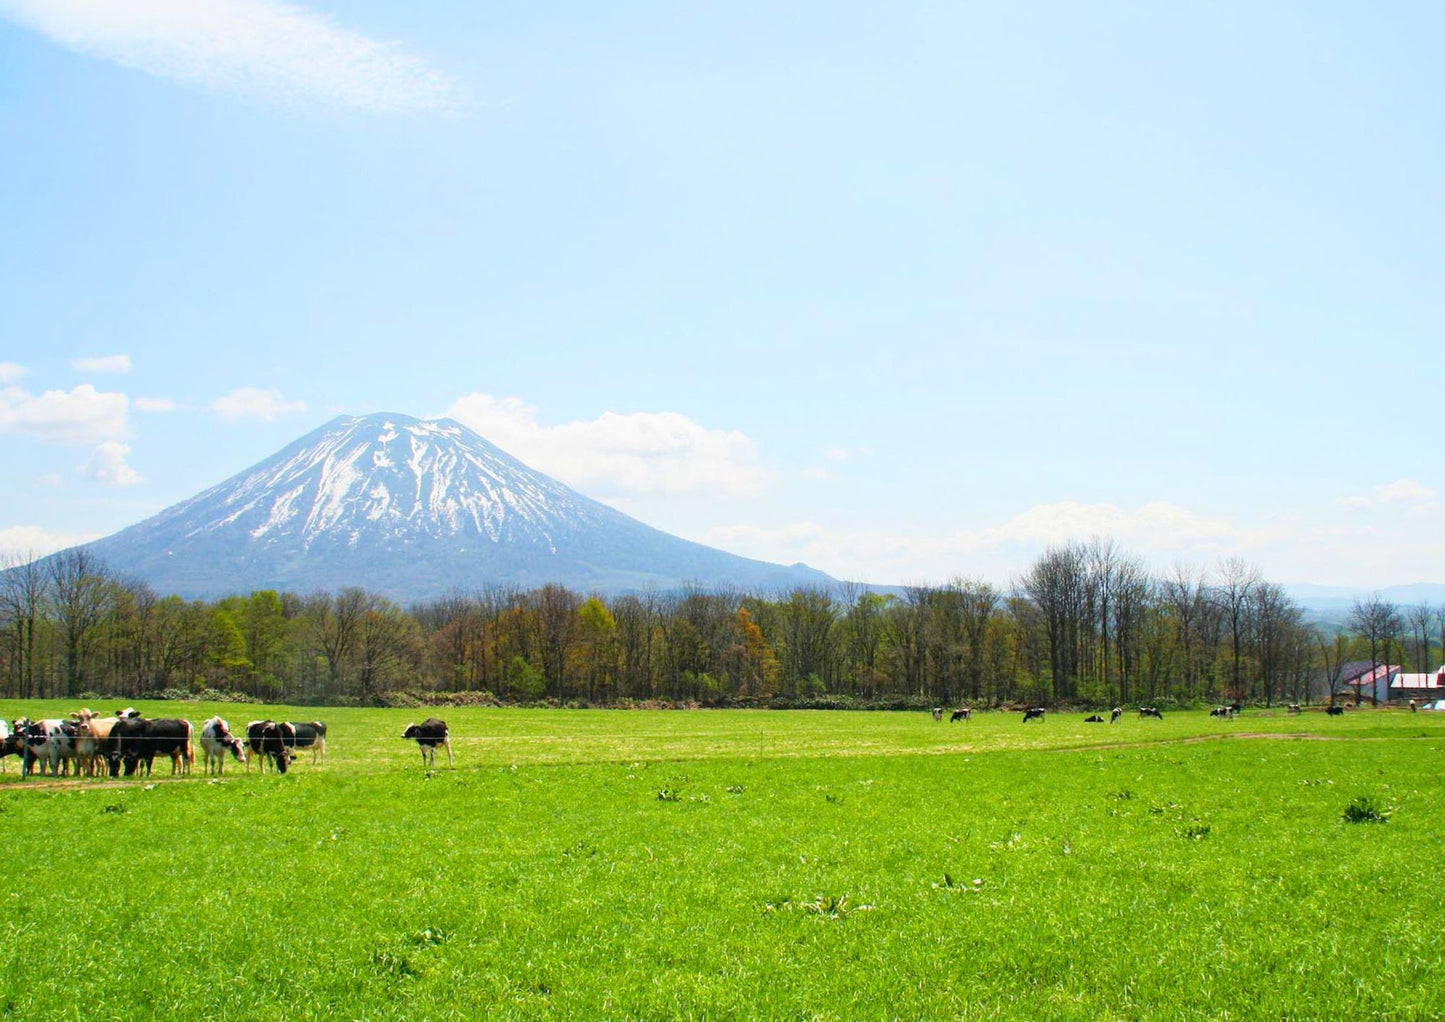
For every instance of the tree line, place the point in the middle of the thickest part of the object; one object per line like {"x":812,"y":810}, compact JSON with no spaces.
{"x":1086,"y":624}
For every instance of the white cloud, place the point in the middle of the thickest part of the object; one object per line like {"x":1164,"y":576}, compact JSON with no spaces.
{"x":107,"y":465}
{"x":80,"y":416}
{"x":102,"y":364}
{"x":618,"y":455}
{"x":1401,"y":491}
{"x":10,"y":372}
{"x":25,"y":542}
{"x":1158,"y":525}
{"x":253,"y":403}
{"x":155,"y":404}
{"x":267,"y":48}
{"x":846,"y":453}
{"x":1156,"y":530}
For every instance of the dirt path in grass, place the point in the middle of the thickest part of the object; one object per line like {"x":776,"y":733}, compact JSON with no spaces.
{"x":71,"y":784}
{"x":1196,"y":739}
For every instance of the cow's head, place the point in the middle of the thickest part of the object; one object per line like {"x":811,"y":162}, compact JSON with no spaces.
{"x":411,"y":732}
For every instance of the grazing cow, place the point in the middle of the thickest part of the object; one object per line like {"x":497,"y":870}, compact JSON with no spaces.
{"x":305,"y":736}
{"x":964,"y":713}
{"x":1236,"y":707}
{"x":1149,"y":711}
{"x":1336,"y":711}
{"x":938,"y":713}
{"x":47,"y":742}
{"x":267,"y":742}
{"x":1036,"y":713}
{"x":1223,"y":712}
{"x":1095,"y":719}
{"x":92,"y":736}
{"x":1295,"y":707}
{"x":428,"y":735}
{"x":136,"y":741}
{"x":1115,"y":714}
{"x":216,"y":741}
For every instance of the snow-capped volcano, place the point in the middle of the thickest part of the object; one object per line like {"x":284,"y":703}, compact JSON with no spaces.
{"x":409,"y":508}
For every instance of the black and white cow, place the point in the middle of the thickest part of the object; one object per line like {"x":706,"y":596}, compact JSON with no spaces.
{"x":48,"y":743}
{"x":1115,"y":714}
{"x":1094,"y":719}
{"x":963,"y":713}
{"x":1150,"y":711}
{"x":216,"y":741}
{"x":1034,"y":713}
{"x":428,"y":735}
{"x":1336,"y":711}
{"x":136,"y":742}
{"x":311,"y":736}
{"x":266,"y":741}
{"x":938,"y":713}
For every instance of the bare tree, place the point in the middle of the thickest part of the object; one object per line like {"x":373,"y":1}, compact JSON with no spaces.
{"x":1233,"y":591}
{"x":1184,"y":590}
{"x":1419,"y":617}
{"x":1332,"y":658}
{"x":78,"y":585}
{"x":334,"y":622}
{"x":388,"y":643}
{"x":24,"y":587}
{"x":1057,"y":584}
{"x":1378,"y":620}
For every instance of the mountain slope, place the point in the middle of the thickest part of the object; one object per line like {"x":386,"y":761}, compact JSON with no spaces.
{"x":409,"y":508}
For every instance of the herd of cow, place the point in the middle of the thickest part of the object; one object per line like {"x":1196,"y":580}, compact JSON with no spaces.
{"x":90,"y":745}
{"x":1037,"y":713}
{"x":128,"y":744}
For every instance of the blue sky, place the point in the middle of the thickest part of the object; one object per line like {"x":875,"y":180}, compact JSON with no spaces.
{"x":903,"y":294}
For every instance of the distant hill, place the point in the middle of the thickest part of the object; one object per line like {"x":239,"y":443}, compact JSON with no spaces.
{"x":1337,"y":600}
{"x":409,"y":508}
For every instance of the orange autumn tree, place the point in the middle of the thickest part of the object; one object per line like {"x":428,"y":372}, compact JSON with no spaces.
{"x":751,"y":661}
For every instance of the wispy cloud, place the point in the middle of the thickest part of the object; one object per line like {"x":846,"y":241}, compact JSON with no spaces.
{"x":619,"y":454}
{"x":155,"y":404}
{"x":25,"y":542}
{"x":1158,"y":529}
{"x":253,"y":403}
{"x":108,"y":466}
{"x":80,"y":416}
{"x":267,"y":48}
{"x":1400,"y":492}
{"x":102,"y":364}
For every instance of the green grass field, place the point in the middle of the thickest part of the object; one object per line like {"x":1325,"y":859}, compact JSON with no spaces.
{"x":745,"y":864}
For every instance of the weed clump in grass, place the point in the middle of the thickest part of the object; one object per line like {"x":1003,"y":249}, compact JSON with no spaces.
{"x":1365,"y":810}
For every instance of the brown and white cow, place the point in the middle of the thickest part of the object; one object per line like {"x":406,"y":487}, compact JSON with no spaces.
{"x":90,"y":741}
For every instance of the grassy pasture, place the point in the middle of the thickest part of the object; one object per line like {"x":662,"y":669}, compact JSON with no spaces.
{"x":745,"y":864}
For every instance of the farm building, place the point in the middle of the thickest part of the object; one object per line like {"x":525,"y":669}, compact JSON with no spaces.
{"x":1367,"y":681}
{"x":1418,"y":686}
